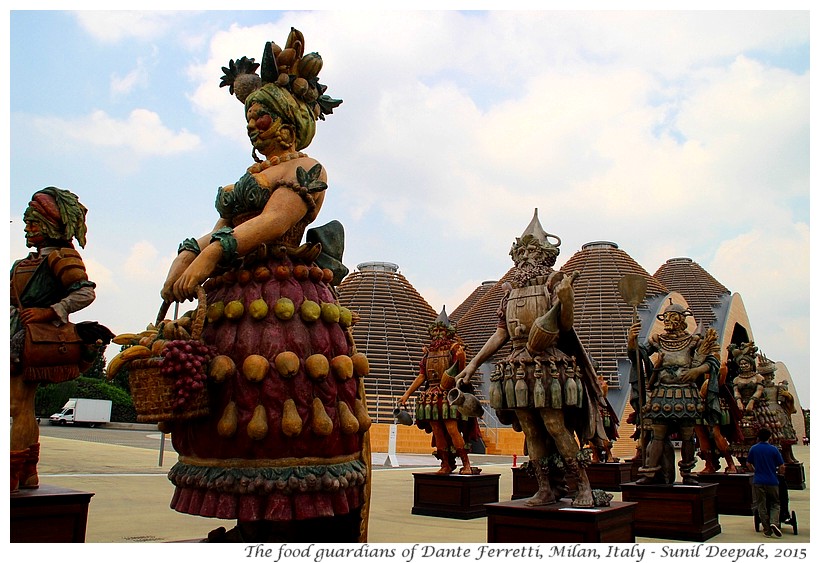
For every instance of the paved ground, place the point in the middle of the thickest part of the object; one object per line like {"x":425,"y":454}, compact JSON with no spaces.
{"x":131,"y":493}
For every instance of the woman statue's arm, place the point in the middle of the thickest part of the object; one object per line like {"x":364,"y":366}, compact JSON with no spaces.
{"x":284,"y":209}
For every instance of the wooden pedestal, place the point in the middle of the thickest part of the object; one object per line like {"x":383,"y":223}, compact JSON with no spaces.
{"x":795,"y":476}
{"x":454,"y":495}
{"x":677,"y":512}
{"x":609,"y":476}
{"x":514,"y":522}
{"x":734,"y":493}
{"x":48,"y":515}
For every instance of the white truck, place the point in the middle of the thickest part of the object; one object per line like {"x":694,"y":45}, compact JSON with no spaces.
{"x":89,"y":412}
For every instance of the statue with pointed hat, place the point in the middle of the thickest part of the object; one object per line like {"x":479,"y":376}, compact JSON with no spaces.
{"x":438,"y":410}
{"x":547,"y":386}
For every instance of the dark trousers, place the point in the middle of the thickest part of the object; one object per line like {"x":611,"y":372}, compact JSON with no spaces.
{"x":767,"y":502}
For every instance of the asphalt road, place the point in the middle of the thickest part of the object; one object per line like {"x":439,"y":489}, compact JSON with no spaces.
{"x":147,"y":438}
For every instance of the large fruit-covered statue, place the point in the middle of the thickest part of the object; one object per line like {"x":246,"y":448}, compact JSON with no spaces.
{"x":285,"y":447}
{"x":46,"y":286}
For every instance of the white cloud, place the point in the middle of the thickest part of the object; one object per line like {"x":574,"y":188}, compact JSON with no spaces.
{"x":139,"y":77}
{"x":100,"y":274}
{"x":669,"y":133}
{"x":142,"y":132}
{"x":116,"y":25}
{"x":144,"y":261}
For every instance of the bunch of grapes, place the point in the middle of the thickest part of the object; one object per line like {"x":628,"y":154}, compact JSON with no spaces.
{"x":186,"y":361}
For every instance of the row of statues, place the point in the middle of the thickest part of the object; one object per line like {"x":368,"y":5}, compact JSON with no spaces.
{"x":548,"y":388}
{"x":285,"y":449}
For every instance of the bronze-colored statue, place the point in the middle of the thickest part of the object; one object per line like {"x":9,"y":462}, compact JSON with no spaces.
{"x":716,"y":434}
{"x":547,"y":386}
{"x":46,"y":287}
{"x":762,"y":403}
{"x":285,"y":450}
{"x":442,"y":359}
{"x":674,"y":403}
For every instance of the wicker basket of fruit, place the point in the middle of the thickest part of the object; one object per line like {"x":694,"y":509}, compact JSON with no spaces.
{"x":170,"y":382}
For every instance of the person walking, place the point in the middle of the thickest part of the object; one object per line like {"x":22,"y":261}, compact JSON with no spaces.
{"x":767,"y":463}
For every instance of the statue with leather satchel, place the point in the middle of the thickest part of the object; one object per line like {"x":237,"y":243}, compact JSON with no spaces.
{"x":46,"y":286}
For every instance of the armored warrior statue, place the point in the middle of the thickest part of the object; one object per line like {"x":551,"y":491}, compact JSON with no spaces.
{"x":682,"y":362}
{"x":547,"y":386}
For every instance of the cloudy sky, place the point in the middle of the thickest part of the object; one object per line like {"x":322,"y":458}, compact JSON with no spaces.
{"x":673,"y":134}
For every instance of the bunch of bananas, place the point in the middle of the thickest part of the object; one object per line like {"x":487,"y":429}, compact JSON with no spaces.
{"x":148,"y":343}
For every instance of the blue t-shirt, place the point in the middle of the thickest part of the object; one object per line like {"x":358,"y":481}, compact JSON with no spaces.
{"x":766,"y":459}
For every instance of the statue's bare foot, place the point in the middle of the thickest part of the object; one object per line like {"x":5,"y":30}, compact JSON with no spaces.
{"x":540,"y":499}
{"x":583,"y":499}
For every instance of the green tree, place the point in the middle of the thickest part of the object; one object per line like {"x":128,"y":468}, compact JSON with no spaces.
{"x":92,"y":384}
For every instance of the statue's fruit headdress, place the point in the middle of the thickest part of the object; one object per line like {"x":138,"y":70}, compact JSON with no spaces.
{"x":289,"y":68}
{"x":743,"y":351}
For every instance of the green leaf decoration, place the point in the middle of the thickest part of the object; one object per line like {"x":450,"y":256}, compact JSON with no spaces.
{"x":234,"y":69}
{"x":310,"y":178}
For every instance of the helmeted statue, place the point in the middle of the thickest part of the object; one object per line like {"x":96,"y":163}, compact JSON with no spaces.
{"x":451,"y":428}
{"x":547,"y":386}
{"x":682,"y":362}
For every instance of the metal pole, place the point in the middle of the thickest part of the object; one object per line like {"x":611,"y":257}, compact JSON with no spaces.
{"x":161,"y":448}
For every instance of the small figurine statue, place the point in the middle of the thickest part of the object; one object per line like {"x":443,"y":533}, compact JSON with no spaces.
{"x":451,"y":429}
{"x":547,"y":386}
{"x":285,"y":450}
{"x":673,"y":401}
{"x":46,"y":287}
